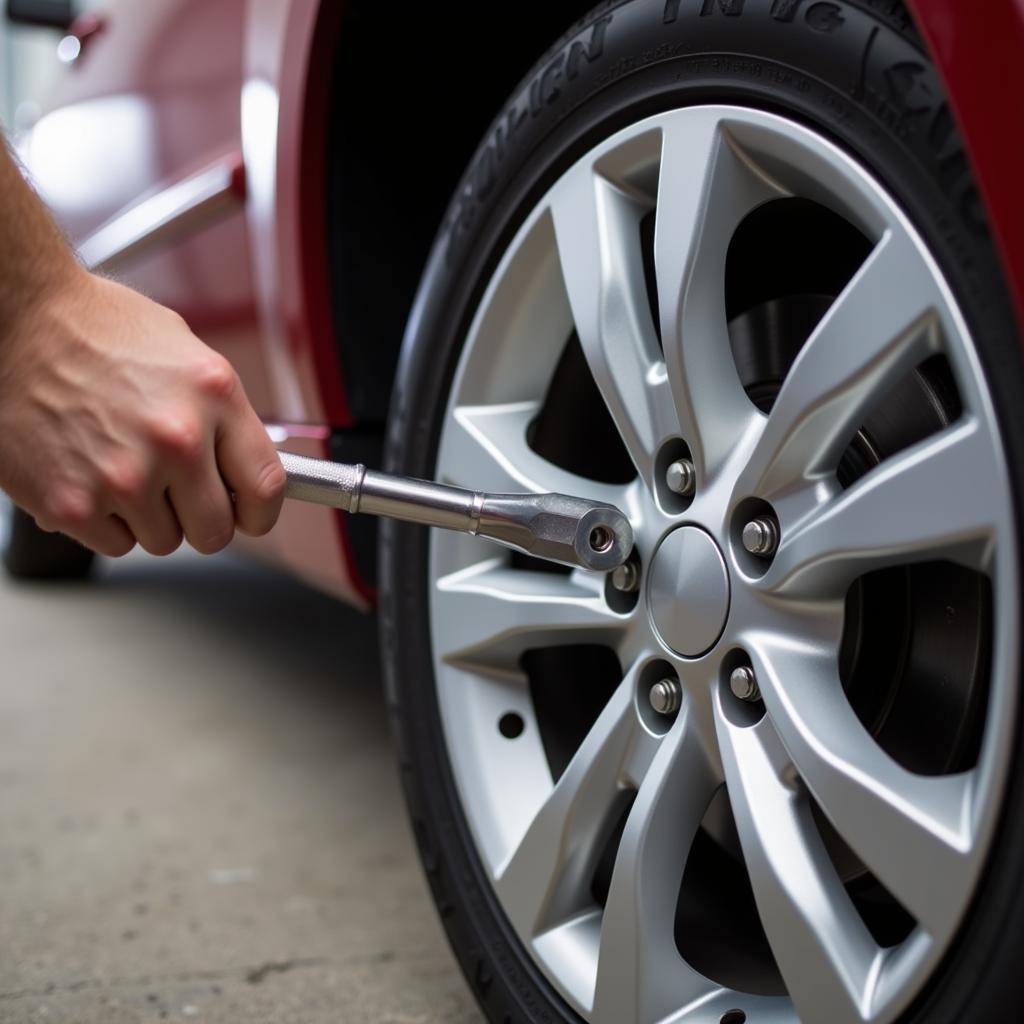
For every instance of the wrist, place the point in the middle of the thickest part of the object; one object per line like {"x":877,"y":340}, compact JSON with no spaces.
{"x":44,"y":298}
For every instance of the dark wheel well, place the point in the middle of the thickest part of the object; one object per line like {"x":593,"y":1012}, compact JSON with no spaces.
{"x":414,"y":88}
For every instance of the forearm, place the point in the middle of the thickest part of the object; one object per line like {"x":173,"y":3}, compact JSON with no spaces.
{"x":35,"y":259}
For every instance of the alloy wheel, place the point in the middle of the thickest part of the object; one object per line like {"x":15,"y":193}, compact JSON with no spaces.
{"x":750,"y":707}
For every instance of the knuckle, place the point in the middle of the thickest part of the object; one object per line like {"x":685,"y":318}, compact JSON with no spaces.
{"x":271,"y":481}
{"x":181,"y":436}
{"x":216,"y":377}
{"x":176,"y":321}
{"x":65,"y":508}
{"x":42,"y":514}
{"x":125,"y":479}
{"x":263,"y":499}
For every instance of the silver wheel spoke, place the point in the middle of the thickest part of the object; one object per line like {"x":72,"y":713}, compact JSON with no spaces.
{"x":827,"y":957}
{"x":932,"y":500}
{"x":546,"y":880}
{"x":492,"y":613}
{"x":597,"y":227}
{"x":487,"y":450}
{"x":705,"y":188}
{"x":879,"y":328}
{"x":640,"y":975}
{"x":910,"y":830}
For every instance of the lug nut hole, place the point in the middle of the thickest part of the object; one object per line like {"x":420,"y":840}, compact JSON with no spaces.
{"x":511,"y":725}
{"x":733,"y":1017}
{"x":601,"y":538}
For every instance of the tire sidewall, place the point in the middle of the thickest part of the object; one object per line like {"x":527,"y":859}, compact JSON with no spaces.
{"x":854,"y":72}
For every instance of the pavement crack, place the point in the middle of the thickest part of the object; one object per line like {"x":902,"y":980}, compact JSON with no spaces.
{"x":257,"y":974}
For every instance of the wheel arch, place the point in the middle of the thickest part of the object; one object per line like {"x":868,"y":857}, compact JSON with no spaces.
{"x":389,"y":179}
{"x":375,"y":188}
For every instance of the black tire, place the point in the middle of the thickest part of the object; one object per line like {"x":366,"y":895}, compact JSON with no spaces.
{"x":33,"y":554}
{"x":830,"y":66}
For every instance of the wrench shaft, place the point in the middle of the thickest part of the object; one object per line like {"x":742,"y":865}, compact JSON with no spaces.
{"x":559,"y":527}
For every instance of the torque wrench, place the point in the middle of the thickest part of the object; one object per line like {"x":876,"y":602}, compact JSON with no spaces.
{"x":558,"y":527}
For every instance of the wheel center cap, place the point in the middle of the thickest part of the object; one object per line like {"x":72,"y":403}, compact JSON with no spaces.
{"x":688,"y":591}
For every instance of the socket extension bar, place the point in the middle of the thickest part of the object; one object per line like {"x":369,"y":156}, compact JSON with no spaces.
{"x":558,"y":527}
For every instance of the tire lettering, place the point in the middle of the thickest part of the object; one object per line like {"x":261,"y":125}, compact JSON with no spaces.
{"x":544,"y":90}
{"x":591,"y":51}
{"x":549,"y":79}
{"x":824,"y":17}
{"x":785,"y":10}
{"x":485,"y":173}
{"x":514,"y":121}
{"x":731,"y":8}
{"x":535,"y":104}
{"x":908,"y":87}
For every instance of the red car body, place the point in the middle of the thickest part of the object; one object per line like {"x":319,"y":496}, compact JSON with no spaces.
{"x":185,"y":151}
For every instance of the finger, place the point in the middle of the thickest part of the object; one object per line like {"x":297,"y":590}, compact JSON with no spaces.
{"x":108,"y":536}
{"x":250,"y":466}
{"x":113,"y":538}
{"x":71,"y":510}
{"x":154,"y":523}
{"x":203,"y":507}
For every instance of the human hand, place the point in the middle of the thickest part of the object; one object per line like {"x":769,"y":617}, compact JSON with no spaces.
{"x":118,"y":425}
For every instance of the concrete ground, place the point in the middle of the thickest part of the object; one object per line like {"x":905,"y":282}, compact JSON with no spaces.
{"x":200,"y":817}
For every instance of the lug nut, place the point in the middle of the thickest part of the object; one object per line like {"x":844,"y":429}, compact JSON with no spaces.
{"x":761,"y":536}
{"x":680,"y":477}
{"x":743,"y":684}
{"x":665,"y":696}
{"x":626,"y":578}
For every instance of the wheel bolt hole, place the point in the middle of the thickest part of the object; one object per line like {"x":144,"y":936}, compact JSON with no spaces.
{"x":733,"y":1017}
{"x":511,"y":725}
